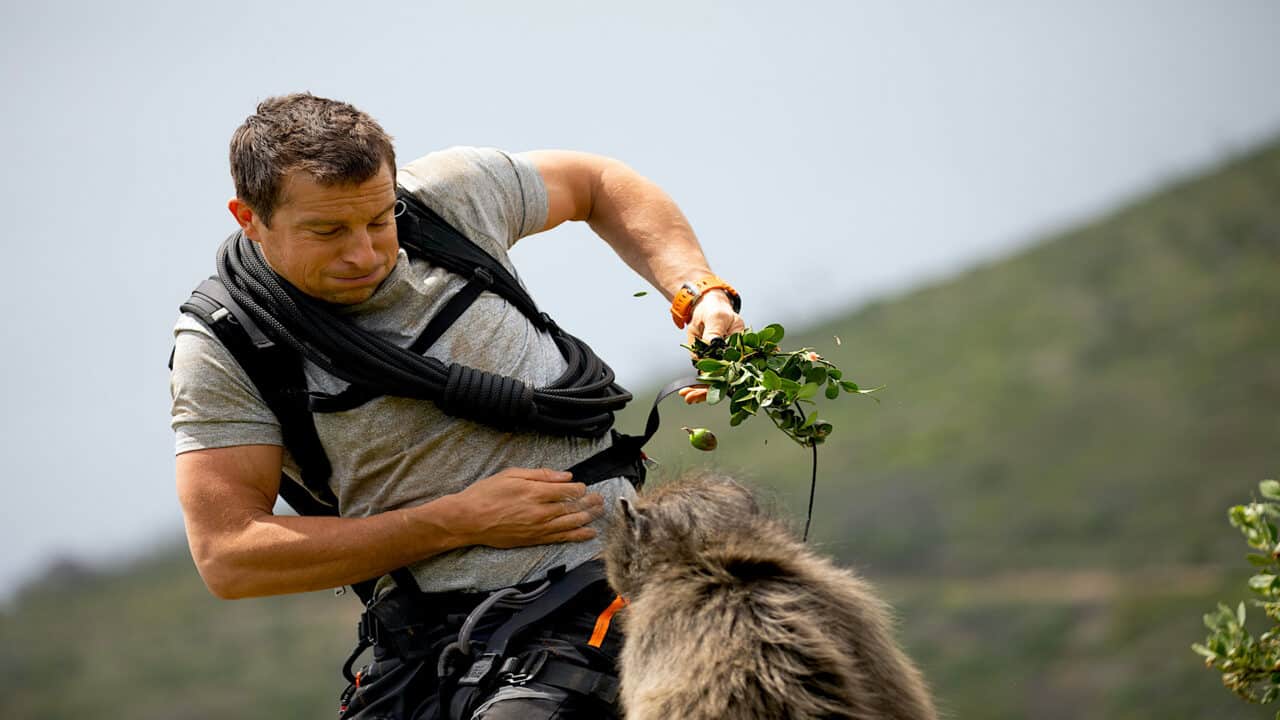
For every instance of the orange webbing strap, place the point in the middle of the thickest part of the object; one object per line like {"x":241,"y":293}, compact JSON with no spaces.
{"x":602,"y":622}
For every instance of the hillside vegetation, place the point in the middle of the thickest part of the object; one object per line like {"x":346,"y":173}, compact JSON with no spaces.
{"x":1041,"y":490}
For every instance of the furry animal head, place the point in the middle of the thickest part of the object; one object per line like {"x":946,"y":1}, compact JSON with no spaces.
{"x":675,"y":524}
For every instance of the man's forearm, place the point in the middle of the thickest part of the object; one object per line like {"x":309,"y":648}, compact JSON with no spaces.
{"x":243,"y":550}
{"x":646,"y":228}
{"x":277,"y":554}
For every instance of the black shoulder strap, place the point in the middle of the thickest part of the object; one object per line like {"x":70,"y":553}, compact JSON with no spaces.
{"x":422,"y":232}
{"x":277,"y":373}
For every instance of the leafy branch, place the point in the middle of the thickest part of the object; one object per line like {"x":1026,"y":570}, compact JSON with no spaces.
{"x":750,"y":371}
{"x":1250,"y":665}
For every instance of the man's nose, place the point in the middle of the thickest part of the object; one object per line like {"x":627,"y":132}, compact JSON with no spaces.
{"x":358,"y":250}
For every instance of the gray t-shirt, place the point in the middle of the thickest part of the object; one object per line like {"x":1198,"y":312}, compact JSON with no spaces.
{"x":395,"y":452}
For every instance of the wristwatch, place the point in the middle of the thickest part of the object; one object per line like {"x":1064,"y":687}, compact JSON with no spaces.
{"x":690,"y":293}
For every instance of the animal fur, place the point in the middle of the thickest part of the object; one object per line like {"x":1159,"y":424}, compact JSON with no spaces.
{"x":731,"y":617}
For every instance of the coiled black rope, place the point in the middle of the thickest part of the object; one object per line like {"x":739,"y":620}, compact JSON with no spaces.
{"x":580,"y":402}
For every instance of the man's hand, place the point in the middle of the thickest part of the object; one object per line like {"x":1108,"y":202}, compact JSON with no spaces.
{"x":713,"y":317}
{"x":523,"y":506}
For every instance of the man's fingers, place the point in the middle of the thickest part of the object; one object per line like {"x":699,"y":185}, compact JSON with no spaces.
{"x":720,"y":326}
{"x":693,"y":395}
{"x":539,"y":474}
{"x":578,"y":535}
{"x":590,"y":503}
{"x":567,"y":493}
{"x":565,"y":523}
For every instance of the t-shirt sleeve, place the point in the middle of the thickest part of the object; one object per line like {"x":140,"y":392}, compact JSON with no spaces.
{"x":493,"y":197}
{"x":215,"y":404}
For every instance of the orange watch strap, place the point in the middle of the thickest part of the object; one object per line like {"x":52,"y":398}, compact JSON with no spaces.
{"x":690,"y":293}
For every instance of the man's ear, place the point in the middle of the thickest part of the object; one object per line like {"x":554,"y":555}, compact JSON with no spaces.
{"x":243,"y":214}
{"x":634,"y":520}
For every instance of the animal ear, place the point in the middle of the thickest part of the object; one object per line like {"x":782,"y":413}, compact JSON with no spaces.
{"x":634,"y":519}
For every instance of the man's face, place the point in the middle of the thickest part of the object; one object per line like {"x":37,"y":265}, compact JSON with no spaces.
{"x":333,"y":242}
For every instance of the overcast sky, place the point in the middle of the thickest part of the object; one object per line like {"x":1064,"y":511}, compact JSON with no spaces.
{"x":826,"y":154}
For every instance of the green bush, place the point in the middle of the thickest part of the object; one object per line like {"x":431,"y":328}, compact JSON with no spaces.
{"x":1250,"y":665}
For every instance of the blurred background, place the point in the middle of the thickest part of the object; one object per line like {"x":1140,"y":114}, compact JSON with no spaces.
{"x":1052,"y":231}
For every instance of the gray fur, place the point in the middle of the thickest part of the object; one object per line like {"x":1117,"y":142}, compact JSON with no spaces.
{"x":731,"y":617}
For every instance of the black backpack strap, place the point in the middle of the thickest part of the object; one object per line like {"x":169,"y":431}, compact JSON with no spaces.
{"x":278,"y":374}
{"x":211,"y":303}
{"x":625,"y":457}
{"x":424,"y":233}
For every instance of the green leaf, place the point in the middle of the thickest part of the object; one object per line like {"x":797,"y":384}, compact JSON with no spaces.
{"x":770,"y":380}
{"x":832,"y":391}
{"x":708,"y":365}
{"x":1240,"y":612}
{"x":834,"y":373}
{"x":714,"y":395}
{"x":737,"y":419}
{"x":816,"y":375}
{"x":750,"y":340}
{"x":851,"y":387}
{"x":1270,"y":489}
{"x":732,"y":354}
{"x":807,"y":390}
{"x":1260,"y":583}
{"x":1260,"y":560}
{"x":776,"y":333}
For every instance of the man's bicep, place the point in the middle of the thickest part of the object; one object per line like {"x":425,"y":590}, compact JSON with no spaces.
{"x":221,"y":489}
{"x":570,"y":179}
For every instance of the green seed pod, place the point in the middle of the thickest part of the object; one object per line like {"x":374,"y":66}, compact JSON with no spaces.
{"x":701,"y":438}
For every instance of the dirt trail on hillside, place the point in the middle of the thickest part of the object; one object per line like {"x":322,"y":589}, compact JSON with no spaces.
{"x":1063,"y":586}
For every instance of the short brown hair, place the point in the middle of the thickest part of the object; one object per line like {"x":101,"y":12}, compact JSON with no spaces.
{"x":332,"y":141}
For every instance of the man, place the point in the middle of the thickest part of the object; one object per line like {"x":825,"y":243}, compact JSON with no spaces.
{"x":470,"y":508}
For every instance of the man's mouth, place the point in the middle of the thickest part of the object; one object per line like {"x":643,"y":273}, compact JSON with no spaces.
{"x":360,"y":278}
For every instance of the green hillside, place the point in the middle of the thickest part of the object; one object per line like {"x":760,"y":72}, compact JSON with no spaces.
{"x":1041,"y":491}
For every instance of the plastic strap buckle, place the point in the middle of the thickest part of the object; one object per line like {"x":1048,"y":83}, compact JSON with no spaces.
{"x":480,"y":670}
{"x":367,"y":629}
{"x":518,"y":671}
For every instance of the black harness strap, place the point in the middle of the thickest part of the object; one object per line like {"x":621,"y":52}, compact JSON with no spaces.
{"x":484,"y":670}
{"x":427,"y":234}
{"x":626,"y":458}
{"x":277,"y":374}
{"x":576,"y":678}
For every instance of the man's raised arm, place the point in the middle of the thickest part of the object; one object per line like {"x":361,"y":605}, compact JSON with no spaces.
{"x":642,"y":224}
